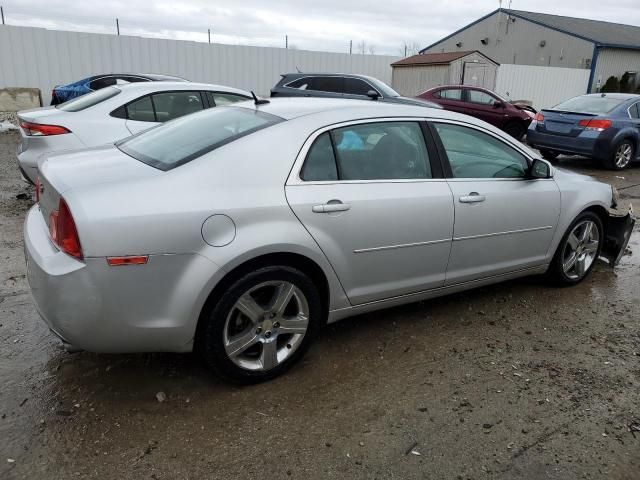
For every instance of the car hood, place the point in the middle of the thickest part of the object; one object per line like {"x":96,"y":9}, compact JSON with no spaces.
{"x":89,"y":167}
{"x":562,"y":174}
{"x":413,"y":101}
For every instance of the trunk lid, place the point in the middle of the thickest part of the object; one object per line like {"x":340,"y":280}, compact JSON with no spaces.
{"x":563,"y":123}
{"x":86,"y":168}
{"x":38,"y":115}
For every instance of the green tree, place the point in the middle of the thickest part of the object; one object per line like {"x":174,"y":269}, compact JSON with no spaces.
{"x":611,"y":85}
{"x":625,"y":83}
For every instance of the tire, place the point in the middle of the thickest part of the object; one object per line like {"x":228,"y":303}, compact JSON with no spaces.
{"x":515,"y":129}
{"x":622,"y":155}
{"x":241,"y":331}
{"x":586,"y":253}
{"x":549,"y":155}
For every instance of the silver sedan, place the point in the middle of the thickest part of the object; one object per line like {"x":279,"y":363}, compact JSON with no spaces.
{"x":239,"y":231}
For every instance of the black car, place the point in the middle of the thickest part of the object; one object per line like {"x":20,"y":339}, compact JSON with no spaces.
{"x":341,"y":85}
{"x":62,"y":93}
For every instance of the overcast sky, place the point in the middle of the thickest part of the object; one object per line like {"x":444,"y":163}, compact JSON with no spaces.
{"x":310,"y":24}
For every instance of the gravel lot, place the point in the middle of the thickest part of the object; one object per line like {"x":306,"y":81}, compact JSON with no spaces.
{"x":517,"y":380}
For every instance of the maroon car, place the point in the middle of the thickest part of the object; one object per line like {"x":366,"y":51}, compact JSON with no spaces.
{"x":483,"y":104}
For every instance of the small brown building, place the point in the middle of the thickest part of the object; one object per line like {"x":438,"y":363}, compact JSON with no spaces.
{"x":415,"y":74}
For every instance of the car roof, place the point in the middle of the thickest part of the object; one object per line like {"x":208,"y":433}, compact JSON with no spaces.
{"x":329,"y":74}
{"x":617,"y":96}
{"x":177,"y":85}
{"x":293,"y":107}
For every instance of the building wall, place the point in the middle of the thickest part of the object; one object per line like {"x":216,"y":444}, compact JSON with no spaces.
{"x":544,"y":87}
{"x":410,"y":81}
{"x":39,"y":58}
{"x":614,"y":61}
{"x":519,"y":43}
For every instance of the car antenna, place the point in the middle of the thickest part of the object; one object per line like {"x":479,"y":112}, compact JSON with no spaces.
{"x":258,"y":101}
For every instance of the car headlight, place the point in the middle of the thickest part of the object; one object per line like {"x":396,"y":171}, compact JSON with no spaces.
{"x":615,"y":197}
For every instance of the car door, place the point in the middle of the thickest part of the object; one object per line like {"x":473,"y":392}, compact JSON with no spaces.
{"x":452,"y":99}
{"x":374,"y":200}
{"x":504,"y":221}
{"x":485,"y":107}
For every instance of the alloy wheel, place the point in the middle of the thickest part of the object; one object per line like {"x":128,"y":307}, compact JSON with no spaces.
{"x":266,"y":325}
{"x":580,"y":249}
{"x":623,"y":155}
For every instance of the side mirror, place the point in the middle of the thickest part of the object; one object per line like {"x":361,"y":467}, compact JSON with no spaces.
{"x":498,"y":105}
{"x":373,"y":95}
{"x":540,"y":169}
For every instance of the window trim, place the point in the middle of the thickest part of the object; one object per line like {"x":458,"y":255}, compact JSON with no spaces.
{"x":445,"y":158}
{"x":295,"y":179}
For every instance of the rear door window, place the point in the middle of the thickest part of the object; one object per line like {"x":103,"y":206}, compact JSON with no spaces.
{"x":327,"y":84}
{"x":300,"y":84}
{"x":451,"y":94}
{"x":634,"y":110}
{"x":170,"y":105}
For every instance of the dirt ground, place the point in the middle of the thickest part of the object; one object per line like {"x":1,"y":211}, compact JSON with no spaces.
{"x":516,"y":380}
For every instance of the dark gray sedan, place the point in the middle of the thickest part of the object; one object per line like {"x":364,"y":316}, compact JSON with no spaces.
{"x":341,"y":85}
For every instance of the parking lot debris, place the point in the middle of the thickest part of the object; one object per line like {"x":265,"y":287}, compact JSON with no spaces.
{"x":23,"y":196}
{"x":10,"y":460}
{"x":411,"y":448}
{"x":161,"y":397}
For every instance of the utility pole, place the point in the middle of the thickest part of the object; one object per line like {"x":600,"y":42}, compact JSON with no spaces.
{"x":117,"y":26}
{"x":209,"y":32}
{"x":2,"y":14}
{"x":350,"y":47}
{"x":286,"y":41}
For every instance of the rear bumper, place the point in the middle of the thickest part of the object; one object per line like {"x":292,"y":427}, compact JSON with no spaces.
{"x":618,"y":231}
{"x":588,"y":144}
{"x":92,"y":306}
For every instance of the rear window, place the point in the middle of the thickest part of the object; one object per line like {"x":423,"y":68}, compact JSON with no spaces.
{"x":88,"y":100}
{"x":596,"y":105}
{"x":179,"y":141}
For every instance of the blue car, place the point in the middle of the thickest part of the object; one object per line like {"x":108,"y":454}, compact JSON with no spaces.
{"x":604,"y":126}
{"x":64,"y":93}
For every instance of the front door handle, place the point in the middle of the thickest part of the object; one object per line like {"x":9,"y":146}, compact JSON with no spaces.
{"x":473,"y":197}
{"x":331,"y":206}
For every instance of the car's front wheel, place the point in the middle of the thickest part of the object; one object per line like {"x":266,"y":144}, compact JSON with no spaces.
{"x":622,"y":155}
{"x":578,"y":250}
{"x":261,"y":325}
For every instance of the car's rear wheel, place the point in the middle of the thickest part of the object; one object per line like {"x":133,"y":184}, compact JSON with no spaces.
{"x":550,"y":155}
{"x":515,"y":129}
{"x":261,"y":325}
{"x":622,"y":155}
{"x":578,"y":250}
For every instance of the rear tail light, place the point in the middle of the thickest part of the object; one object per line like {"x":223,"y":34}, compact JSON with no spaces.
{"x":539,"y":118}
{"x":595,"y":124}
{"x":40,"y":130}
{"x":62,"y":229}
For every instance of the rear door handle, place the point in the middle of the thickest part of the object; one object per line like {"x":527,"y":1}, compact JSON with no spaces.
{"x":473,"y":197}
{"x":331,"y":206}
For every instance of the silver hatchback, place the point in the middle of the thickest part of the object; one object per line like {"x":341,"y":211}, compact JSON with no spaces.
{"x":239,"y":231}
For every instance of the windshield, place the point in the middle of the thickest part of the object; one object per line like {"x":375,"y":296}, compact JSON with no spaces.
{"x":596,"y":105}
{"x":384,"y":89}
{"x":88,"y":100}
{"x":179,"y":141}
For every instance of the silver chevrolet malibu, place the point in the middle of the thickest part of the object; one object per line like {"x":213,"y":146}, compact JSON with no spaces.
{"x":238,"y":232}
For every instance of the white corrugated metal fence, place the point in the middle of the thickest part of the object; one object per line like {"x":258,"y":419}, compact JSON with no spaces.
{"x":38,"y":58}
{"x":544,"y":86}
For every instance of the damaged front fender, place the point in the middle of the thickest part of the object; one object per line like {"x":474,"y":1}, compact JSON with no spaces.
{"x":618,"y":230}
